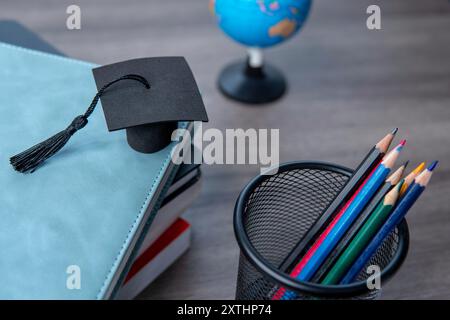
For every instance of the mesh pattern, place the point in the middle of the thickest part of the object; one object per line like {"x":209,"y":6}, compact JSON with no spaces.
{"x":278,"y":212}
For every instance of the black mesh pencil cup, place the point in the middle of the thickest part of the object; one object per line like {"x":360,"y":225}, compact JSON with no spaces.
{"x":271,"y":216}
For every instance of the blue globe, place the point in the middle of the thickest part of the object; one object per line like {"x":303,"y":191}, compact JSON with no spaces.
{"x":260,"y":23}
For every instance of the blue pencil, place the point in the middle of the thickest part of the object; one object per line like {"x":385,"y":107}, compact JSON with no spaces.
{"x":394,"y":219}
{"x":352,"y":212}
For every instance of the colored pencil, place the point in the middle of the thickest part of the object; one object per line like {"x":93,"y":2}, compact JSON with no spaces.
{"x":347,"y":218}
{"x":402,"y":208}
{"x":339,"y":203}
{"x":362,"y":238}
{"x":294,"y":273}
{"x":352,"y":187}
{"x":410,"y":177}
{"x":371,"y":160}
{"x":351,"y":213}
{"x":391,"y":181}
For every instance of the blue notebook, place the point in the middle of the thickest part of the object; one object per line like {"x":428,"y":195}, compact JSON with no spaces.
{"x":86,"y":207}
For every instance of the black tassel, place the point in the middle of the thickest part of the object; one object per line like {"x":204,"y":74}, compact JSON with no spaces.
{"x":30,"y":159}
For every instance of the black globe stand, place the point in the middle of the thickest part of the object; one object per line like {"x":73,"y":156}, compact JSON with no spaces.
{"x":252,"y":85}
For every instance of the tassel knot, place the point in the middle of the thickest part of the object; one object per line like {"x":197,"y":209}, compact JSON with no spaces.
{"x":78,"y":123}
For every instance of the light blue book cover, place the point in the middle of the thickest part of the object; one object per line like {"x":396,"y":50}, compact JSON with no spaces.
{"x":68,"y":229}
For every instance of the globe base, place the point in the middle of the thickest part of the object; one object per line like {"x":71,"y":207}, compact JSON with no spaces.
{"x":251,"y":85}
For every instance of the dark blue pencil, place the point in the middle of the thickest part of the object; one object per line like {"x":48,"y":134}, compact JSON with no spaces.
{"x":394,"y":219}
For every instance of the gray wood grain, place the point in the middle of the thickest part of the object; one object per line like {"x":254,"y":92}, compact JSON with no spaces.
{"x":346,"y":83}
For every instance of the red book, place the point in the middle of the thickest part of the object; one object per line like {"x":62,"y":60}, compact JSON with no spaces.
{"x":155,"y":259}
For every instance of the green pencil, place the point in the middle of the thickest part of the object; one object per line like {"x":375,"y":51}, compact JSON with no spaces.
{"x":362,"y":238}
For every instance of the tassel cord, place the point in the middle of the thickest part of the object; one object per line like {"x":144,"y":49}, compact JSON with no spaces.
{"x":30,"y":159}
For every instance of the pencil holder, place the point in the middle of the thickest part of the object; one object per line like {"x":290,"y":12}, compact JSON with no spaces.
{"x":272,"y":214}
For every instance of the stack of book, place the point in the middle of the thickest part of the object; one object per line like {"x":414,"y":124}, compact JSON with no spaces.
{"x":168,"y":237}
{"x":169,"y":234}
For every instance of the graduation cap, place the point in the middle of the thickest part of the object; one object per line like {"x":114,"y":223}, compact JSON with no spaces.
{"x":162,"y":92}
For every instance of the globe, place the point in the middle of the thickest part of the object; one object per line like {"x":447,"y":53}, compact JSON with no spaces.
{"x":260,"y":23}
{"x":257,"y":24}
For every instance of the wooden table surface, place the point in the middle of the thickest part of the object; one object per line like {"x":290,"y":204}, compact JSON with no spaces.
{"x":347,"y":87}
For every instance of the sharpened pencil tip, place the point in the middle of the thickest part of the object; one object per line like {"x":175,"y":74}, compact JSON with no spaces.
{"x":419,"y":168}
{"x":433,"y":166}
{"x":400,"y":184}
{"x":394,"y":131}
{"x":400,"y":146}
{"x":406,"y":163}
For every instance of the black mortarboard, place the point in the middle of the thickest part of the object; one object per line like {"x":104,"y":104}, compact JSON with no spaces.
{"x":150,"y":116}
{"x":149,"y":111}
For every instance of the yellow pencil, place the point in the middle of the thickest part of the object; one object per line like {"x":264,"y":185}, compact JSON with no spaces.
{"x":410,"y":177}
